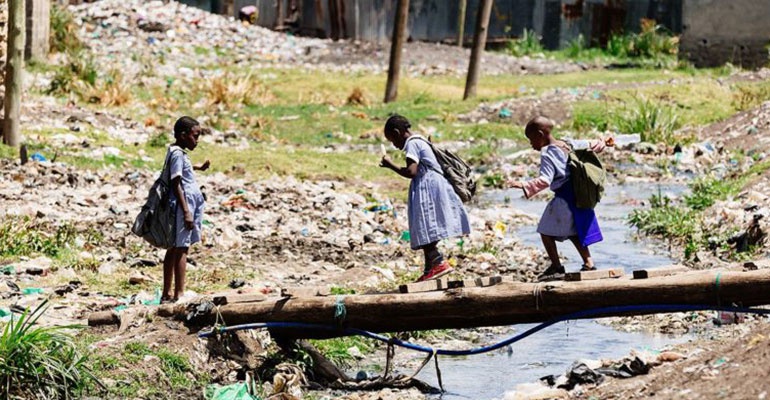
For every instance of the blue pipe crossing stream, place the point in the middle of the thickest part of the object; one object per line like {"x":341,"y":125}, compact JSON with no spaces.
{"x":642,"y":308}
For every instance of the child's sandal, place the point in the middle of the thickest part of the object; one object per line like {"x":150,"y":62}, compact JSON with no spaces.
{"x":586,"y":268}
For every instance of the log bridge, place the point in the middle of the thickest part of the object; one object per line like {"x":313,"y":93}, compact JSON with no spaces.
{"x":491,"y":301}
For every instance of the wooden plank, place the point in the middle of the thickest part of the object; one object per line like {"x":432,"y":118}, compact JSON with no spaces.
{"x":425,"y":286}
{"x":662,"y":271}
{"x":238,"y":298}
{"x":305,"y":291}
{"x":593,"y":275}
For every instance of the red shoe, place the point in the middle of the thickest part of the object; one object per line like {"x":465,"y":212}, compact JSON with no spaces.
{"x":436,"y":272}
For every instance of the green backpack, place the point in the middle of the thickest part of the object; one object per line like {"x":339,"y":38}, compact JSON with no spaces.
{"x":588,"y":177}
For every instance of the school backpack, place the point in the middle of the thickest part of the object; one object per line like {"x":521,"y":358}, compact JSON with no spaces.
{"x":156,"y":222}
{"x":456,"y":171}
{"x":588,"y":177}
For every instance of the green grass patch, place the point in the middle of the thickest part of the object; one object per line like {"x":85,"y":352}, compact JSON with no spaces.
{"x":336,"y":349}
{"x":41,"y":362}
{"x":27,"y":236}
{"x":683,"y":221}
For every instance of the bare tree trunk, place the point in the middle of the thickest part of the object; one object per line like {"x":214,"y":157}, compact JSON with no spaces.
{"x":14,"y":67}
{"x":394,"y":68}
{"x":461,"y":23}
{"x":479,"y":41}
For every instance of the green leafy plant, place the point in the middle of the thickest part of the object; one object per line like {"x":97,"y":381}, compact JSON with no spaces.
{"x":527,"y":44}
{"x":654,"y":121}
{"x":64,"y":36}
{"x":41,"y":362}
{"x":24,"y":236}
{"x":652,"y":42}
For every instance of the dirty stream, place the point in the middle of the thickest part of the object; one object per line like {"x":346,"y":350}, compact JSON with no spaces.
{"x":553,"y":350}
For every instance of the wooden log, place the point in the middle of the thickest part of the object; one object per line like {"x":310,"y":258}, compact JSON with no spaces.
{"x":505,"y":303}
{"x":593,"y":275}
{"x":100,"y":318}
{"x":425,"y":286}
{"x":238,"y":298}
{"x":663,"y":271}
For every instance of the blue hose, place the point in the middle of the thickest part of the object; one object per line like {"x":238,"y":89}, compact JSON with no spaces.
{"x":656,"y":308}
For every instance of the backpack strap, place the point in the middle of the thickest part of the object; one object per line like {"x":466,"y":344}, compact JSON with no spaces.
{"x":434,"y":154}
{"x":166,"y":172}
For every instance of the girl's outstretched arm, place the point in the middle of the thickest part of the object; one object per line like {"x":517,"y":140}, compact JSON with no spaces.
{"x":206,"y":164}
{"x":410,"y":171}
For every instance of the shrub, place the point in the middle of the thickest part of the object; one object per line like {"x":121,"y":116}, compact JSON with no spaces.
{"x":40,"y":362}
{"x":652,"y":42}
{"x":527,"y":44}
{"x":64,"y":36}
{"x":654,"y":121}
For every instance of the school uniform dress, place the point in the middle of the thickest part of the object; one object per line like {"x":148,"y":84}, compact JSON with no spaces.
{"x":561,"y":218}
{"x":435,"y":210}
{"x":180,"y":165}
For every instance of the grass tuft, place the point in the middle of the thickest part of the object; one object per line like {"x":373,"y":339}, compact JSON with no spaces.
{"x":40,"y":362}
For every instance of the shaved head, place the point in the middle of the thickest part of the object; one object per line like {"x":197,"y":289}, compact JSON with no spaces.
{"x":539,"y":123}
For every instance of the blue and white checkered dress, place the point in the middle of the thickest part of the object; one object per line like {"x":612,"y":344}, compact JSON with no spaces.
{"x":435,"y":210}
{"x":180,"y":165}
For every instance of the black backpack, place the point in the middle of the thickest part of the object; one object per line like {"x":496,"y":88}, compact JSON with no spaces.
{"x":156,"y":222}
{"x":456,"y":171}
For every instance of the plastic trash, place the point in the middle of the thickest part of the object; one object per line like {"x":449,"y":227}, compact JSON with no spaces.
{"x":406,"y":236}
{"x":7,"y":270}
{"x":236,"y":391}
{"x":31,"y":290}
{"x":304,"y":232}
{"x":500,"y":228}
{"x":38,"y":157}
{"x":505,"y":113}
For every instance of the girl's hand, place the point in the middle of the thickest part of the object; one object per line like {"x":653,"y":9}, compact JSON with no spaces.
{"x":385,"y":162}
{"x":189,"y":222}
{"x":204,"y":166}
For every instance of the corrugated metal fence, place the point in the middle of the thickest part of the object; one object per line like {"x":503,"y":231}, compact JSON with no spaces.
{"x":557,"y":21}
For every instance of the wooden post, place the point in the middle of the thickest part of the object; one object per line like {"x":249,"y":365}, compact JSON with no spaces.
{"x":394,"y":68}
{"x":13,"y":72}
{"x":479,"y":41}
{"x":461,"y":22}
{"x":38,"y":29}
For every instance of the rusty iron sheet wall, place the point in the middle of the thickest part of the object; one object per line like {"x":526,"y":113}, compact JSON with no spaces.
{"x":436,"y":20}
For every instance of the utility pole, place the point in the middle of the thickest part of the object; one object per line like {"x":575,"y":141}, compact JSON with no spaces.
{"x":479,"y":41}
{"x":399,"y":29}
{"x":461,"y":23}
{"x":14,"y":66}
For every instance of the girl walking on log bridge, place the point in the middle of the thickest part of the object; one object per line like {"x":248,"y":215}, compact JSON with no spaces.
{"x":435,"y":210}
{"x":561,"y":218}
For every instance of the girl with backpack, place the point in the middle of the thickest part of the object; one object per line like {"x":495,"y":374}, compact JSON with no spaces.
{"x":561,"y":218}
{"x":435,"y":210}
{"x":187,"y":199}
